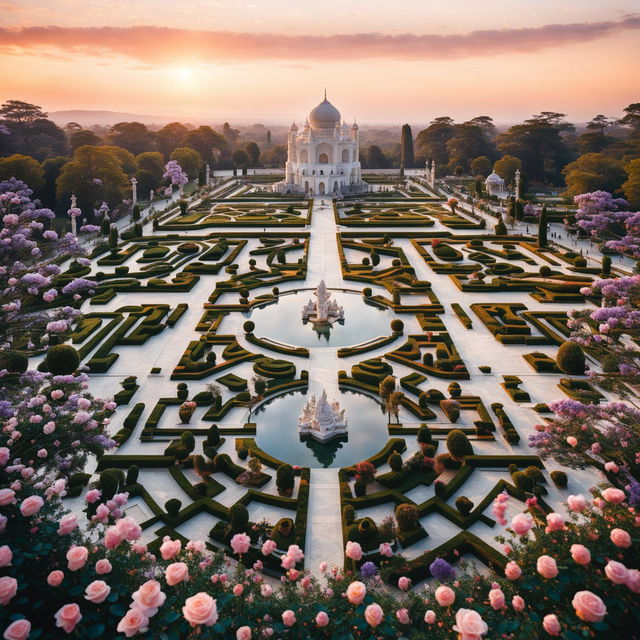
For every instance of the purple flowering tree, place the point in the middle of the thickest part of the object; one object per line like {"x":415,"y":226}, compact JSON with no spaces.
{"x":610,"y":332}
{"x":30,"y":255}
{"x":174,"y":173}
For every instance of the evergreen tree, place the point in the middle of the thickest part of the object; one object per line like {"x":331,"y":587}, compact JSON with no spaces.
{"x":135,"y":214}
{"x":406,"y":154}
{"x":113,"y":238}
{"x":542,"y":227}
{"x":268,"y":137}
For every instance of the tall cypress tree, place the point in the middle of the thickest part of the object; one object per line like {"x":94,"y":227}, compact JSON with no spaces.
{"x":542,"y":227}
{"x":406,"y":153}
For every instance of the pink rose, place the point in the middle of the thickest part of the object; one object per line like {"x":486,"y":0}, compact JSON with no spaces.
{"x":445,"y":595}
{"x":403,"y":616}
{"x":103,"y":566}
{"x":496,"y":598}
{"x":580,"y":554}
{"x":385,"y":550}
{"x":374,"y":615}
{"x":287,"y":562}
{"x":356,"y":592}
{"x":615,"y":496}
{"x":135,"y":621}
{"x":93,"y":495}
{"x":323,"y":566}
{"x":31,"y":505}
{"x":517,"y":603}
{"x":97,"y":591}
{"x":128,"y":528}
{"x":288,"y":618}
{"x":322,"y":619}
{"x":430,"y":617}
{"x":7,"y":496}
{"x":353,"y":551}
{"x":555,"y":521}
{"x":237,"y":589}
{"x":521,"y":523}
{"x":470,"y":625}
{"x":633,"y":580}
{"x":56,"y":394}
{"x":589,"y":607}
{"x":551,"y":624}
{"x":571,"y":441}
{"x":616,"y":572}
{"x":404,"y":583}
{"x":240,"y":543}
{"x":176,"y":573}
{"x":620,"y":538}
{"x":112,"y":537}
{"x":265,"y":590}
{"x":6,"y":556}
{"x":243,"y":633}
{"x":77,"y":558}
{"x":55,"y":578}
{"x":67,"y":524}
{"x":8,"y":588}
{"x":5,"y":454}
{"x":295,"y":552}
{"x":512,"y":571}
{"x":546,"y":567}
{"x":18,"y":630}
{"x":148,"y":597}
{"x":269,"y":547}
{"x":611,"y":467}
{"x":170,"y":548}
{"x":68,"y":617}
{"x":577,"y":503}
{"x":200,"y":609}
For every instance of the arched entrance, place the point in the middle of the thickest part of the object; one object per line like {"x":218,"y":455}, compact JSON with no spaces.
{"x":306,"y":186}
{"x":321,"y":188}
{"x":335,"y":186}
{"x":323,"y":158}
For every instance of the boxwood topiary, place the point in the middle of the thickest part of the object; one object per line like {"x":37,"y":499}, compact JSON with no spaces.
{"x":397,"y":326}
{"x":14,"y":361}
{"x":424,"y":434}
{"x":458,"y":444}
{"x":62,"y":359}
{"x":366,"y":292}
{"x":238,"y":517}
{"x":395,"y":461}
{"x":132,"y":475}
{"x":285,"y":477}
{"x":406,"y":517}
{"x":464,"y":505}
{"x":348,"y":514}
{"x":213,"y":437}
{"x":559,"y":478}
{"x":172,"y":507}
{"x":367,"y":529}
{"x":522,"y":481}
{"x":570,"y":359}
{"x":249,"y":326}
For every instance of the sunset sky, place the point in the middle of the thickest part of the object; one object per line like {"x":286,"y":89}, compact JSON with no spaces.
{"x":269,"y":60}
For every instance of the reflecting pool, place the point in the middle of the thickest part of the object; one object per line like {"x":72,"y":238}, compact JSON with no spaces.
{"x":277,"y":431}
{"x":282,"y":321}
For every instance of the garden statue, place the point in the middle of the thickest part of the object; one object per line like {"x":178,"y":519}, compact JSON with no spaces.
{"x":322,"y":420}
{"x":324,"y":310}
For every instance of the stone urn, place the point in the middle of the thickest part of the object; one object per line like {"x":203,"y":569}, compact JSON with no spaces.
{"x":186,"y":411}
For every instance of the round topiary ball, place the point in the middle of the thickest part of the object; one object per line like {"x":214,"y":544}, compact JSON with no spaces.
{"x":570,"y":359}
{"x":395,"y":461}
{"x":62,"y":359}
{"x":13,"y":361}
{"x":249,"y":326}
{"x":458,"y":444}
{"x":366,"y":292}
{"x":397,"y":326}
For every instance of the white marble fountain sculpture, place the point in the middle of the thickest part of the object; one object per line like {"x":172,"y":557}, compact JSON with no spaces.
{"x":322,"y":420}
{"x":324,"y":310}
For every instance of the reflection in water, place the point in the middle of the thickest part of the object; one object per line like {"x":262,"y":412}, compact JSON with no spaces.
{"x":277,"y":431}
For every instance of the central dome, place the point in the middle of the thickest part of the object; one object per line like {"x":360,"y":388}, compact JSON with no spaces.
{"x":324,"y":116}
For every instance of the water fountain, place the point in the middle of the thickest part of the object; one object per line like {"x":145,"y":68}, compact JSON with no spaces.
{"x":324,"y":310}
{"x":322,"y":420}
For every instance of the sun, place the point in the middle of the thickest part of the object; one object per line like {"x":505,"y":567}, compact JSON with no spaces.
{"x":182,"y":73}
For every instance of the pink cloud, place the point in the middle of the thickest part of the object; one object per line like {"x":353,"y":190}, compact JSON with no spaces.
{"x":163,"y":45}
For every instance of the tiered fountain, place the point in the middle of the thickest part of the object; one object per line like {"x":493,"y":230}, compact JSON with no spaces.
{"x":324,"y":310}
{"x":322,"y":420}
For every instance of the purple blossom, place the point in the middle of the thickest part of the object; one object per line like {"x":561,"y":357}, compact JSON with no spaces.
{"x":173,"y":172}
{"x":79,"y":285}
{"x":441,"y":570}
{"x":368,"y":570}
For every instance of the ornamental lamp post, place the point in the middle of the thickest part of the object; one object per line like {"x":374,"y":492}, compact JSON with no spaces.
{"x":517,"y":185}
{"x":73,"y":213}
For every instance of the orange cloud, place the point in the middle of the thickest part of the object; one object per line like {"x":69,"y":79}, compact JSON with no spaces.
{"x":163,"y":45}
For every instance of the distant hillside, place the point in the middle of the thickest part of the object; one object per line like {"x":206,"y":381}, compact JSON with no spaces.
{"x":87,"y":117}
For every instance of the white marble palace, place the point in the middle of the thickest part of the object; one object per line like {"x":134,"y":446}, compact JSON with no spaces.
{"x":323,"y":157}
